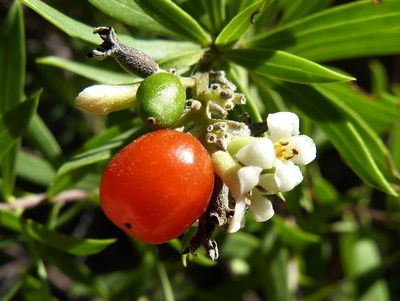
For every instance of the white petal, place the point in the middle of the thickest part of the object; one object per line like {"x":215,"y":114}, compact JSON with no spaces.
{"x":268,"y":182}
{"x":240,"y":210}
{"x":260,"y":153}
{"x":305,"y":148}
{"x":248,"y":178}
{"x":287,"y":175}
{"x":282,"y":125}
{"x":261,"y":207}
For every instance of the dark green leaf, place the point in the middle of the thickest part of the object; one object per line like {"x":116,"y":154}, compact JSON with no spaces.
{"x":40,"y":233}
{"x":234,"y":30}
{"x":12,"y":79}
{"x":359,"y":28}
{"x":40,"y":137}
{"x":12,"y":58}
{"x":301,"y":9}
{"x":379,"y":78}
{"x":175,"y":19}
{"x":34,"y":169}
{"x":128,"y":12}
{"x":215,"y":10}
{"x":15,"y":121}
{"x":285,"y":66}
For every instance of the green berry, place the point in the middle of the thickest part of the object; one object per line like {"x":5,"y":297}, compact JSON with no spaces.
{"x":161,"y":99}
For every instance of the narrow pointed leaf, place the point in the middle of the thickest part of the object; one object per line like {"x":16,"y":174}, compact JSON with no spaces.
{"x":12,"y":79}
{"x":284,"y":66}
{"x":15,"y":121}
{"x":94,"y":73}
{"x":301,"y":9}
{"x":175,"y":19}
{"x":234,"y":30}
{"x":215,"y":10}
{"x":375,"y":146}
{"x":40,"y":137}
{"x":128,"y":12}
{"x":34,"y":169}
{"x":157,"y":49}
{"x":359,"y":28}
{"x":42,"y":234}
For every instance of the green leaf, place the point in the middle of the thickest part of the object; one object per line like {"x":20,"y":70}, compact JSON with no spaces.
{"x":128,"y":12}
{"x":12,"y":80}
{"x":157,"y":49}
{"x":12,"y":58}
{"x":70,"y":26}
{"x":15,"y":121}
{"x":372,"y":141}
{"x":292,"y":235}
{"x":300,"y":9}
{"x":40,"y":137}
{"x":356,"y":29}
{"x":284,"y":66}
{"x":175,"y":19}
{"x":234,"y":30}
{"x":241,"y":80}
{"x":341,"y":132}
{"x":215,"y":10}
{"x":94,"y":73}
{"x":379,"y":78}
{"x":40,"y":233}
{"x":181,"y":60}
{"x":34,"y":169}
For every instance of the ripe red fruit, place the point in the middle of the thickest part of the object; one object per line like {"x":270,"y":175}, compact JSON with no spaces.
{"x":158,"y":186}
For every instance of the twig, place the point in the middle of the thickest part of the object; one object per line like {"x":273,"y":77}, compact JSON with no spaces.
{"x":71,"y":195}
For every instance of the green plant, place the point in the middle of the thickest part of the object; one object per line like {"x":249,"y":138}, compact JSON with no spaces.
{"x":334,"y":238}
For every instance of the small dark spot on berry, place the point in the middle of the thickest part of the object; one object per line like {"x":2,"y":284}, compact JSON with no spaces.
{"x":128,"y":225}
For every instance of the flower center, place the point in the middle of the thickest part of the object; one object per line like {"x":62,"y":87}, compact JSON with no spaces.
{"x":283,"y":151}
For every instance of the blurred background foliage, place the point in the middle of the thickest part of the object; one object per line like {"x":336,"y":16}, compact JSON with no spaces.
{"x":337,"y":237}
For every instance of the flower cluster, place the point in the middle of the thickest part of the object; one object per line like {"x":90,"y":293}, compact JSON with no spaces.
{"x":254,"y":168}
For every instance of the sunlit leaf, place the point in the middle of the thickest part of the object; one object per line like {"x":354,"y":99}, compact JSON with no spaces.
{"x":285,"y":66}
{"x":128,"y":12}
{"x":360,"y":28}
{"x":175,"y":19}
{"x":233,"y":31}
{"x":157,"y":49}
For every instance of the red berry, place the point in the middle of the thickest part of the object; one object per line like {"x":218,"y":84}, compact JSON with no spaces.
{"x":158,"y":186}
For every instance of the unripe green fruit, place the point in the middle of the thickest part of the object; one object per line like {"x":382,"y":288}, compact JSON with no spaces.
{"x":161,"y":99}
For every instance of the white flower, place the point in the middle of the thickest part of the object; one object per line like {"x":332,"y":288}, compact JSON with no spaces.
{"x":260,"y":166}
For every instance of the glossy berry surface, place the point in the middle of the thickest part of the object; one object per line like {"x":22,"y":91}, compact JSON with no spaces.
{"x":161,"y":100}
{"x":157,"y":186}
